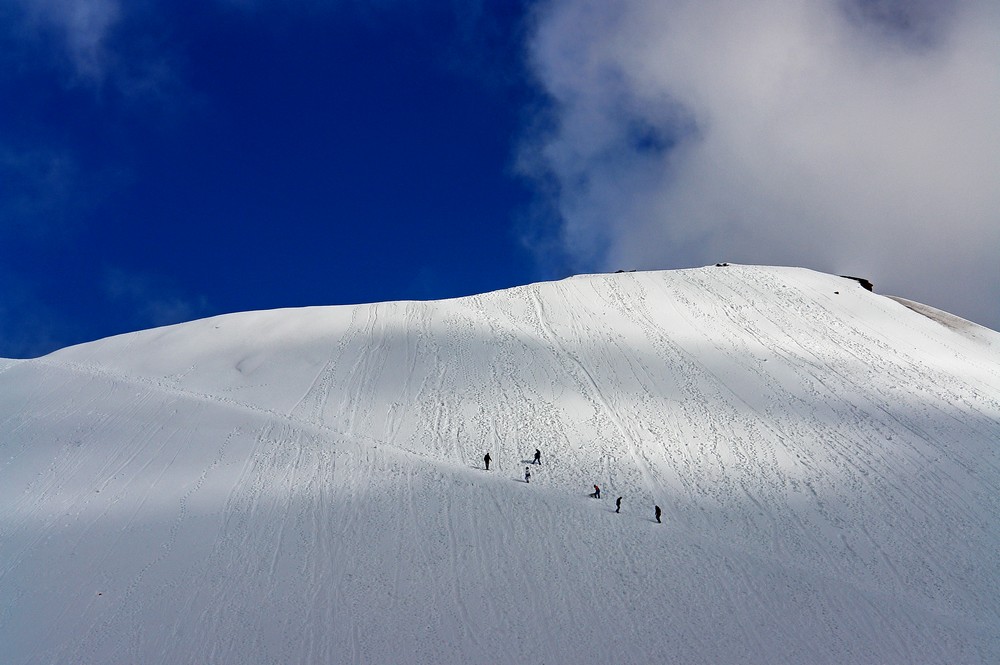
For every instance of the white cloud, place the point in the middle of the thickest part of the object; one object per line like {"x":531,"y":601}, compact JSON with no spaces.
{"x":854,"y":136}
{"x":104,"y":45}
{"x":84,"y":26}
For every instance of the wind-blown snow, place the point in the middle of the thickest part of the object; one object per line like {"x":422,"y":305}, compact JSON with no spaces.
{"x":306,"y":486}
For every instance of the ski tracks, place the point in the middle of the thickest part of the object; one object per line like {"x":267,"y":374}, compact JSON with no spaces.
{"x":589,"y":388}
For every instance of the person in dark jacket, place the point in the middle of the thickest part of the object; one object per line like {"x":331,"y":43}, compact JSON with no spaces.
{"x":486,"y":458}
{"x":597,"y":492}
{"x":656,"y":511}
{"x":527,"y":475}
{"x":538,"y":456}
{"x":618,"y":505}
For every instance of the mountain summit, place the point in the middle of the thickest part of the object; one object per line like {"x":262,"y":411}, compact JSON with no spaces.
{"x":308,"y":486}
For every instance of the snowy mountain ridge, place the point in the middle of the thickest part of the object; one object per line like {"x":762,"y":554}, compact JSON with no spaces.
{"x":305,"y":486}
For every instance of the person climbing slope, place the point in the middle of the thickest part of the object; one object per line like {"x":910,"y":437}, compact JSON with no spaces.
{"x":597,"y":492}
{"x":538,"y":456}
{"x":618,"y":505}
{"x":527,"y":475}
{"x":486,"y":458}
{"x":656,"y":512}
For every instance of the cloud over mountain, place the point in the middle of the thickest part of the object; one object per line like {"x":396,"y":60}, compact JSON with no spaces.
{"x":852,"y":136}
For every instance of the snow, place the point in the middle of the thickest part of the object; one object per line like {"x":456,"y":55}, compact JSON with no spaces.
{"x":307,"y":486}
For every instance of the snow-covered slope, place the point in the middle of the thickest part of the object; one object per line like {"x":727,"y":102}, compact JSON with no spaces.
{"x":306,"y":486}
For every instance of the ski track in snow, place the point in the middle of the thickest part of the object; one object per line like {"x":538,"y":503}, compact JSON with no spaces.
{"x":306,"y":486}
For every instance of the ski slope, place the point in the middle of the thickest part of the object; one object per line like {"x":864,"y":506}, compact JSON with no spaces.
{"x":307,"y":485}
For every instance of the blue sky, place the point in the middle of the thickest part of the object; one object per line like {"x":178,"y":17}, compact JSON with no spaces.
{"x":208,"y":158}
{"x":164,"y":161}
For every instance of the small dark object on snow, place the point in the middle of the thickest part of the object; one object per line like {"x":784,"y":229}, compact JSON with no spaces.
{"x":618,"y":505}
{"x":527,"y":475}
{"x":862,"y":281}
{"x":657,"y":512}
{"x":486,"y":458}
{"x":836,"y":293}
{"x":721,"y":265}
